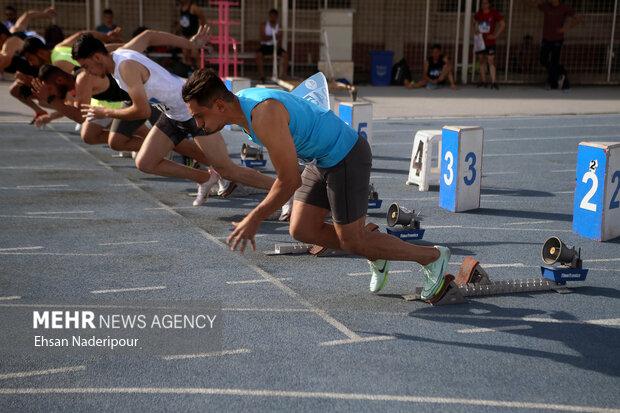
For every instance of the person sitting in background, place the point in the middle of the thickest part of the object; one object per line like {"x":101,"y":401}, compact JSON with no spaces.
{"x":437,"y":69}
{"x":489,"y":23}
{"x":267,"y":31}
{"x":191,"y":17}
{"x":107,"y":22}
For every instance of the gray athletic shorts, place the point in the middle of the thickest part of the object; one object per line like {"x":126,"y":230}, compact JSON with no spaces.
{"x":343,"y":188}
{"x":129,"y":127}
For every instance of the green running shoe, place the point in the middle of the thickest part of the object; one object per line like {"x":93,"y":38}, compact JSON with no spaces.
{"x":379,"y":270}
{"x":434,"y":274}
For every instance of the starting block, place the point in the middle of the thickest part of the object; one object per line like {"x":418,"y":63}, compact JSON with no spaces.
{"x":252,"y":156}
{"x":473,"y":281}
{"x":596,"y":209}
{"x":235,"y":84}
{"x":461,"y":168}
{"x":425,"y":159}
{"x":373,"y":198}
{"x":357,"y":115}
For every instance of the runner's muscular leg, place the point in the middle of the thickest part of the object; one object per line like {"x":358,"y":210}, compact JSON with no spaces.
{"x":151,"y":160}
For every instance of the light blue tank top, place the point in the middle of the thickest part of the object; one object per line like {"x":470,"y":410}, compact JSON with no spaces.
{"x":318,"y":133}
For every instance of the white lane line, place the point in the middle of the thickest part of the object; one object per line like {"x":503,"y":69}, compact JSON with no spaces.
{"x":599,"y":322}
{"x":206,"y":355}
{"x":128,"y":243}
{"x":20,"y":249}
{"x":602,"y":260}
{"x":41,"y":186}
{"x":417,"y":128}
{"x":500,"y":173}
{"x":267,"y":310}
{"x":46,"y":168}
{"x":252,"y":393}
{"x":32,"y":373}
{"x":355,"y":340}
{"x":42,"y":217}
{"x":563,"y":170}
{"x":231,"y":309}
{"x":497,"y":155}
{"x":551,"y":138}
{"x":493,"y":330}
{"x":357,"y":274}
{"x":10,"y":297}
{"x":60,"y":254}
{"x":503,"y":265}
{"x":496,"y":228}
{"x":167,"y":208}
{"x":528,"y":222}
{"x":122,"y":290}
{"x":544,"y":320}
{"x":261,"y":280}
{"x":60,"y":212}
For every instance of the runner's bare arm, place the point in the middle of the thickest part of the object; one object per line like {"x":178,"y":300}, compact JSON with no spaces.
{"x":103,"y":37}
{"x":23,"y":21}
{"x":131,"y":73}
{"x":11,"y":46}
{"x":270,"y":122}
{"x":150,"y":38}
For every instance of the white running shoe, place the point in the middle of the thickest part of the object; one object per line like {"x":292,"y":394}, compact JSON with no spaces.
{"x":223,"y":185}
{"x":434,"y":274}
{"x":203,"y":189}
{"x":379,"y":270}
{"x":285,"y":215}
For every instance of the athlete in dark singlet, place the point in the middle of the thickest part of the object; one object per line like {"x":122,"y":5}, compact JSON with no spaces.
{"x":437,"y":69}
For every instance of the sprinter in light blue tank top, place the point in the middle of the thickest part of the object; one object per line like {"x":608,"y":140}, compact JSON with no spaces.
{"x":318,"y":133}
{"x":336,"y":184}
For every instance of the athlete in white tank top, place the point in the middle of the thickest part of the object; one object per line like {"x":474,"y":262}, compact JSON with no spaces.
{"x":270,"y":31}
{"x":162,"y":87}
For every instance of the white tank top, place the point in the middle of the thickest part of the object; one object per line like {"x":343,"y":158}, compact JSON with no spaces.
{"x":270,"y":31}
{"x":163,"y":89}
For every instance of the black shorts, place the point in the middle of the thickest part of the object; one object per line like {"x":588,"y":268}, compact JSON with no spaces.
{"x":343,"y":188}
{"x":129,"y":127}
{"x":177,"y":130}
{"x":489,"y":51}
{"x":266,"y":49}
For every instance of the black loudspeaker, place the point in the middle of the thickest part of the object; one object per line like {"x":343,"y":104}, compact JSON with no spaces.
{"x":401,"y":216}
{"x":250,"y":152}
{"x":555,"y":251}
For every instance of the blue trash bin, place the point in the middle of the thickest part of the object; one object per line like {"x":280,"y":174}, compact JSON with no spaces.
{"x":381,"y":67}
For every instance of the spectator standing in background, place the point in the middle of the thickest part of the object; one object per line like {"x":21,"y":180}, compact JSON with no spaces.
{"x":559,"y":19}
{"x":490,"y":24}
{"x":107,"y":22}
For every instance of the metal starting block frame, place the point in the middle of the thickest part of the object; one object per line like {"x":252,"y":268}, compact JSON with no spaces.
{"x":473,"y":281}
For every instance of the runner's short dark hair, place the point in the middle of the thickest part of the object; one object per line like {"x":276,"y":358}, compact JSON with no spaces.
{"x":205,"y":86}
{"x":274,"y":11}
{"x":86,"y":46}
{"x":33,"y":45}
{"x":46,"y":72}
{"x":108,"y":11}
{"x":436,"y":46}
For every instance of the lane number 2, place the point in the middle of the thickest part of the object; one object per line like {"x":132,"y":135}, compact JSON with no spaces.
{"x":585,"y":202}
